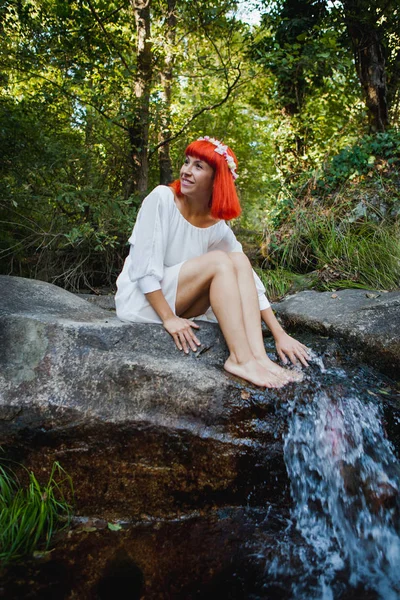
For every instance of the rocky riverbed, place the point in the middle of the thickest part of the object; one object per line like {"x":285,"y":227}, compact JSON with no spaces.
{"x":187,"y":461}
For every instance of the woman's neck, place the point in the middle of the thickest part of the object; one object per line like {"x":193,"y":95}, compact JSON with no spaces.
{"x":195,"y":210}
{"x":196,"y":207}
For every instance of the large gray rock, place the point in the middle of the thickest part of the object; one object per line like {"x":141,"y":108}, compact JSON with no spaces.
{"x":140,"y":427}
{"x":368,"y":321}
{"x":123,"y":410}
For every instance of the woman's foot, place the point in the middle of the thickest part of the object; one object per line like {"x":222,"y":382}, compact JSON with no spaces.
{"x":255,"y":373}
{"x":283,"y":374}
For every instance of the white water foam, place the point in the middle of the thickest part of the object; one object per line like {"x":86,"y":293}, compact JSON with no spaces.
{"x":345,"y":487}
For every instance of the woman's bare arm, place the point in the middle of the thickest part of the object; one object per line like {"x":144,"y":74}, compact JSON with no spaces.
{"x":286,"y":346}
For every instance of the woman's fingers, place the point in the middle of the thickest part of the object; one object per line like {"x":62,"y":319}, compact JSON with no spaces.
{"x":295,"y":352}
{"x":303,"y":356}
{"x":188,"y":337}
{"x":193,"y":335}
{"x":292,"y":357}
{"x":182,"y":338}
{"x":282,"y":356}
{"x":177,"y":341}
{"x":182,"y":333}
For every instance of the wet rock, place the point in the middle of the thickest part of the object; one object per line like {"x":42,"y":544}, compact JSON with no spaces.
{"x":141,"y":428}
{"x":368,"y":322}
{"x":200,"y":557}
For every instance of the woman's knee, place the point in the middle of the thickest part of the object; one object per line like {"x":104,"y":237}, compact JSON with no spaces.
{"x":219,"y":261}
{"x":240,"y":261}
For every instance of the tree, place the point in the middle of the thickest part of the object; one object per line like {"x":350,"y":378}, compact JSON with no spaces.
{"x":138,"y":129}
{"x":373,"y":30}
{"x":292,"y":50}
{"x":166,"y":81}
{"x":310,"y":81}
{"x":80,"y":120}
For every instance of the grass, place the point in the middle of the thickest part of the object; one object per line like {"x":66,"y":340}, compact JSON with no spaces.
{"x":340,"y":253}
{"x":277,"y":282}
{"x":31,"y":515}
{"x":367,"y":255}
{"x":340,"y":226}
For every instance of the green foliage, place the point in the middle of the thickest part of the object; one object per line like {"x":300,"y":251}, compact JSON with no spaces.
{"x":279,"y":282}
{"x":313,"y":91}
{"x":343,"y":254}
{"x":339,"y":226}
{"x":31,"y":515}
{"x":362,"y":255}
{"x":342,"y":227}
{"x":361,"y":158}
{"x":68,"y":71}
{"x":62,"y":217}
{"x":372,"y":164}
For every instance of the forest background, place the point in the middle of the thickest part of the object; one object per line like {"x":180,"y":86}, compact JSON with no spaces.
{"x":99,"y":100}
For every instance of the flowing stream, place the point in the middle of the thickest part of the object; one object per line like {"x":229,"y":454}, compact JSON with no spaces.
{"x":345,"y":479}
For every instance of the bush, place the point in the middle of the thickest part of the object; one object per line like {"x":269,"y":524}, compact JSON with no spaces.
{"x":342,"y":254}
{"x":341,"y":226}
{"x":361,"y":158}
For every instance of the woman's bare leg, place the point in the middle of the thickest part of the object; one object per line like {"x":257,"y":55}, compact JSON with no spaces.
{"x":251,"y":316}
{"x":214,"y":274}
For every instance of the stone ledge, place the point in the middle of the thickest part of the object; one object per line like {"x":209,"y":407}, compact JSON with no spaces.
{"x":368,"y":321}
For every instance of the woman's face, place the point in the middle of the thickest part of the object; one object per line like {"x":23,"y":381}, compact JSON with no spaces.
{"x":196,"y":177}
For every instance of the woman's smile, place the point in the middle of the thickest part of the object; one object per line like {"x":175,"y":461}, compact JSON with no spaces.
{"x":196,"y":176}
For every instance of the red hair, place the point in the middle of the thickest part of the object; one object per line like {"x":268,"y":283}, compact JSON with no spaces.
{"x":224,"y":201}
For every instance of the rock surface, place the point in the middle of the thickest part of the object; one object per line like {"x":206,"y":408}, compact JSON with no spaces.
{"x":189,"y":458}
{"x":368,"y":321}
{"x":151,"y":430}
{"x":117,"y":402}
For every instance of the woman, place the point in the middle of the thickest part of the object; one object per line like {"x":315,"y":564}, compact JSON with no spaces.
{"x":185,"y":262}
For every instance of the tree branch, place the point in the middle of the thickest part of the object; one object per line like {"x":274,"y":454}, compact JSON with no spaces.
{"x":80,"y":100}
{"x":229,"y":90}
{"x":107,"y":35}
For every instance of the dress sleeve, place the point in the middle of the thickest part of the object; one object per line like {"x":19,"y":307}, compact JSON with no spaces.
{"x":229,"y":243}
{"x":148,"y":243}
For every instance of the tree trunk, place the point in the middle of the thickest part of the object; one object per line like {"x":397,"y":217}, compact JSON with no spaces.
{"x":139,"y":128}
{"x":393,"y":91}
{"x":164,"y":158}
{"x":369,"y":60}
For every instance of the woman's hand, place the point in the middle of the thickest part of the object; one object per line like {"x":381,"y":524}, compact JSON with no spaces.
{"x":182,"y":332}
{"x":288,"y":347}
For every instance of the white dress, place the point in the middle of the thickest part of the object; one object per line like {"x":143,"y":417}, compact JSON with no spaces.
{"x":161,"y":241}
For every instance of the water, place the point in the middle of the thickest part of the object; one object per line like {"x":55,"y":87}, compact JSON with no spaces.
{"x":344,"y":478}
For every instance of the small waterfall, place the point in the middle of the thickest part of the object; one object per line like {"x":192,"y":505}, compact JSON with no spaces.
{"x":345,"y":487}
